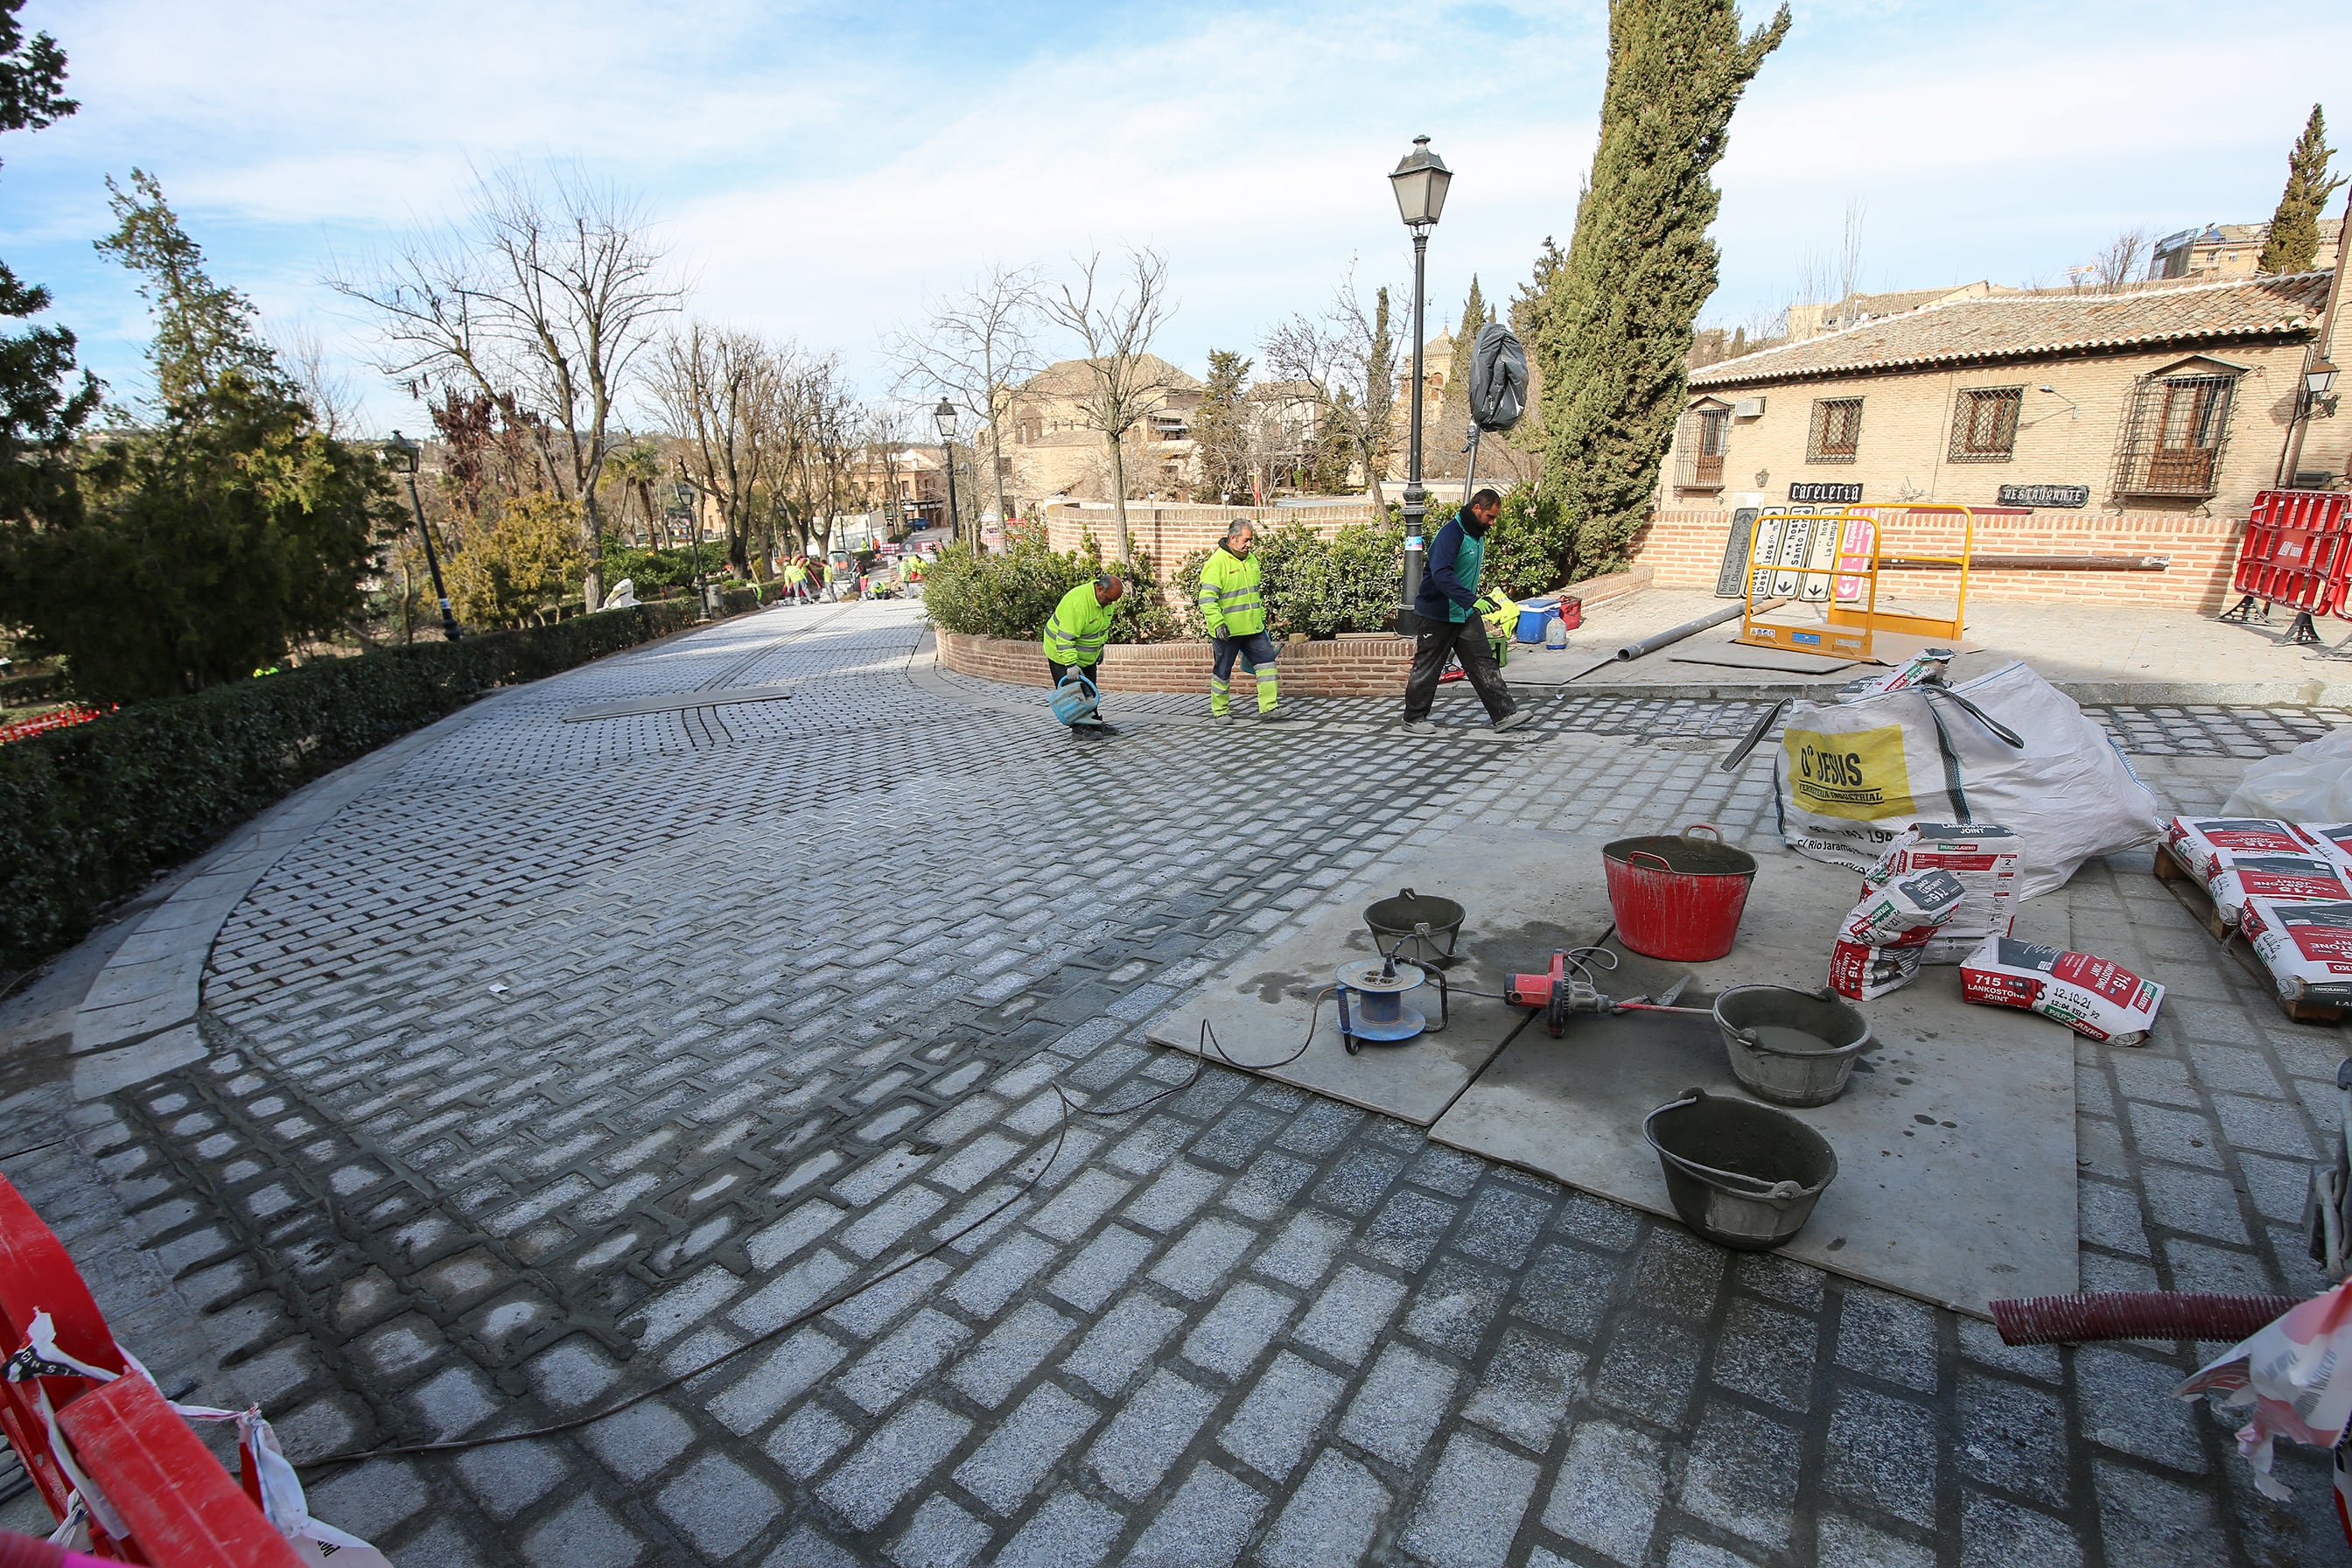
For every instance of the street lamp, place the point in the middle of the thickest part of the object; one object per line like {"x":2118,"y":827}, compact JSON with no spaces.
{"x":2318,"y":381}
{"x":690,"y":497}
{"x":944,"y":416}
{"x":403,"y":454}
{"x":1419,"y":180}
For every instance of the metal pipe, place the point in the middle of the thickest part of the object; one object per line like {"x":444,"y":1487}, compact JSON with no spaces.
{"x":2032,"y":563}
{"x":1688,"y":629}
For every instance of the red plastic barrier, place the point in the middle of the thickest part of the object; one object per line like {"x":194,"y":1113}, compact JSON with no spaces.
{"x":2297,"y":551}
{"x":181,"y":1508}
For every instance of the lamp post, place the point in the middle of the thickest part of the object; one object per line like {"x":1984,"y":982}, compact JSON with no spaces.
{"x":2318,"y":381}
{"x":944,"y":416}
{"x":690,"y":499}
{"x":403,"y":454}
{"x":1419,"y":180}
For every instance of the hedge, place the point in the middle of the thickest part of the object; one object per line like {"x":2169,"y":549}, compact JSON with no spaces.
{"x":89,"y":813}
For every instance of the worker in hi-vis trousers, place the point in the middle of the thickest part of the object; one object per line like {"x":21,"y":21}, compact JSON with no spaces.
{"x":1237,"y":617}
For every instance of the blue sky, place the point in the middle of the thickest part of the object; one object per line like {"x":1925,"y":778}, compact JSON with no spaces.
{"x":817,"y":169}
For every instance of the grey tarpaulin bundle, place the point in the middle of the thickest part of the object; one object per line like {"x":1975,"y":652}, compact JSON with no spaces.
{"x":1498,"y":379}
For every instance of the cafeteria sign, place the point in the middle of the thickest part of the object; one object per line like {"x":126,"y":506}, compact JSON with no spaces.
{"x":2045,"y":495}
{"x":1820,"y":493}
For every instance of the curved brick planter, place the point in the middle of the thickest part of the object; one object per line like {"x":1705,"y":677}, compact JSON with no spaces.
{"x":1360,"y":664}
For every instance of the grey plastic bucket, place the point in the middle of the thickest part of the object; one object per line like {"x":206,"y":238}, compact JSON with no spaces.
{"x":1743,"y":1175}
{"x":1776,"y":1070}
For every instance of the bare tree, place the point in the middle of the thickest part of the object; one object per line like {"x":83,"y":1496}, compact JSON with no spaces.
{"x":1116,"y":320}
{"x":825,"y":427}
{"x":2114,"y":266}
{"x":724,"y":391}
{"x":1348,"y":355}
{"x":551,"y":291}
{"x":334,"y":402}
{"x":976,"y":347}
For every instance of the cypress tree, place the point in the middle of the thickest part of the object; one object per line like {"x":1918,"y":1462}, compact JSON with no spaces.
{"x":2292,"y":244}
{"x":1474,"y":316}
{"x":1616,"y":320}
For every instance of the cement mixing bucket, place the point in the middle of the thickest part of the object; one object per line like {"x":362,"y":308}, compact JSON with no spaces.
{"x":1391,"y":920}
{"x":1677,"y":896}
{"x":1790,"y":1046}
{"x":1742,"y":1175}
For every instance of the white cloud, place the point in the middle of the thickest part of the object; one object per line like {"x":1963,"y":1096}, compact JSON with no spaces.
{"x":820,"y":169}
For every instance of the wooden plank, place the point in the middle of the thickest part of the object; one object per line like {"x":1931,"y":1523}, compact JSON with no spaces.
{"x":2192,"y":895}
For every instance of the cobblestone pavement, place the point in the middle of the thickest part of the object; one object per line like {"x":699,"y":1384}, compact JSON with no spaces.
{"x":574,"y":1055}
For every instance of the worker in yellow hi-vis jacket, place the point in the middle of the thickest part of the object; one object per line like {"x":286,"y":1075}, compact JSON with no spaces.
{"x":1237,"y":617}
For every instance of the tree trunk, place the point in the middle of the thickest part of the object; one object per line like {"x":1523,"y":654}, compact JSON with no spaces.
{"x":1118,"y":497}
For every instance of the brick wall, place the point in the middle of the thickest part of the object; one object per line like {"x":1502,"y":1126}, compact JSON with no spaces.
{"x":1683,"y":547}
{"x":1370,"y":664}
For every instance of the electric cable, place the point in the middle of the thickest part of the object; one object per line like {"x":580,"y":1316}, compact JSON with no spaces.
{"x":1209,"y":1042}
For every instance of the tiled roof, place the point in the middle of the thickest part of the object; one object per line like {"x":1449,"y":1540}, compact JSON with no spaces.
{"x":2037,"y":326}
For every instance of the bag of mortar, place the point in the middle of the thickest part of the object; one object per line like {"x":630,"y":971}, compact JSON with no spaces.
{"x":1904,"y":911}
{"x":2092,"y":996}
{"x":1862,"y":972}
{"x":2307,"y":948}
{"x":2306,"y":879}
{"x":2195,"y":840}
{"x":2310,"y":784}
{"x":1987,"y":863}
{"x":2007,"y":747}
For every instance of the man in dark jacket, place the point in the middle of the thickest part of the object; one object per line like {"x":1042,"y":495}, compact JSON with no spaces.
{"x":1450,"y":623}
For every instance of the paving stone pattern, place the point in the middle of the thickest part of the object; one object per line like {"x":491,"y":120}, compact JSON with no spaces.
{"x":576,"y":1056}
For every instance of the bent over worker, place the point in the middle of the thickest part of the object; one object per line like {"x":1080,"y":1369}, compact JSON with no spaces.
{"x":1237,"y":617}
{"x":1074,"y":635}
{"x":1450,"y":626}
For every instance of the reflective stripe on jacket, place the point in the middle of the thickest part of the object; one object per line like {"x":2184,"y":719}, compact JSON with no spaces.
{"x":1079,"y":625}
{"x":1229,"y":594}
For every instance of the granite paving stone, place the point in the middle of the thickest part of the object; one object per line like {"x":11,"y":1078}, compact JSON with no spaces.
{"x":543,"y":1061}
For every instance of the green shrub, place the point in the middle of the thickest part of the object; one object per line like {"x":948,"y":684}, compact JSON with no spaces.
{"x":1318,"y":587}
{"x":88,"y":813}
{"x":1531,"y":548}
{"x":1007,"y":594}
{"x":655,"y":569}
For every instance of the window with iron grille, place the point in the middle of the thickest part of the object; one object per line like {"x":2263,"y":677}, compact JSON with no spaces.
{"x":1699,"y":448}
{"x":1837,"y":430}
{"x":2174,"y":434}
{"x":1984,"y":424}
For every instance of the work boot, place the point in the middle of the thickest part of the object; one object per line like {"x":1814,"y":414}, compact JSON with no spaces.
{"x":1419,"y":727}
{"x":1094,"y":727}
{"x":1224,"y":718}
{"x":1513,"y":720}
{"x":1272,"y":716}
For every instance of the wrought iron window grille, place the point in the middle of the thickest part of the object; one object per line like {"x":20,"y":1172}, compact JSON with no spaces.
{"x":1836,"y":436}
{"x":1984,"y":424}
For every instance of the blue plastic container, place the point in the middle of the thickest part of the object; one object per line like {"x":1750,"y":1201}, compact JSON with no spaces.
{"x":1531,"y":621}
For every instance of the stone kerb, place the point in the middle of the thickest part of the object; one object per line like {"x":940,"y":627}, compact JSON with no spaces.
{"x":1355,"y":664}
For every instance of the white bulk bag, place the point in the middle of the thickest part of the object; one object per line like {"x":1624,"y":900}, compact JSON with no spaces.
{"x":2310,"y":784}
{"x":1852,"y":775}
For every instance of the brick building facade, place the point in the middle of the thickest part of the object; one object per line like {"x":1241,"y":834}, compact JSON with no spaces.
{"x":2175,"y":398}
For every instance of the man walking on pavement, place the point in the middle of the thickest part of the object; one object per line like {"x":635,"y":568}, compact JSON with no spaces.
{"x":1074,"y":635}
{"x":1450,"y":624}
{"x":1237,"y":617}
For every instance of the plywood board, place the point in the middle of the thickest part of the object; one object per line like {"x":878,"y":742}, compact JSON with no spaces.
{"x":1955,"y":1138}
{"x":1527,"y":892}
{"x":1742,"y":656}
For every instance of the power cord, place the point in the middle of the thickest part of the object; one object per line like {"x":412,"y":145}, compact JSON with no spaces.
{"x":1209,"y":1043}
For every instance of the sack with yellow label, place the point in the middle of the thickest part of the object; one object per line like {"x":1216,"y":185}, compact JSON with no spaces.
{"x":2007,"y":748}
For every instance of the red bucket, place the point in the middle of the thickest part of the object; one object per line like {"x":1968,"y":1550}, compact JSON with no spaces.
{"x":1676,"y":896}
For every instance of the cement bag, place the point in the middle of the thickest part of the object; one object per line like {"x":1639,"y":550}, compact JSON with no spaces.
{"x":2310,"y":784}
{"x":2306,"y":947}
{"x":1852,"y":775}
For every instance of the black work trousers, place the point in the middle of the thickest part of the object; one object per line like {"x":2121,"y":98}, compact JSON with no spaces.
{"x":1464,"y":640}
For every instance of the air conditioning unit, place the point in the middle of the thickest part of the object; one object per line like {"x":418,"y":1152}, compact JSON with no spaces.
{"x":1748,"y":408}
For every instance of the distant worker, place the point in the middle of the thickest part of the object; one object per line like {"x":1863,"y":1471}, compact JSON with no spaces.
{"x":1074,"y":635}
{"x":1450,"y":624}
{"x":1237,"y":617}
